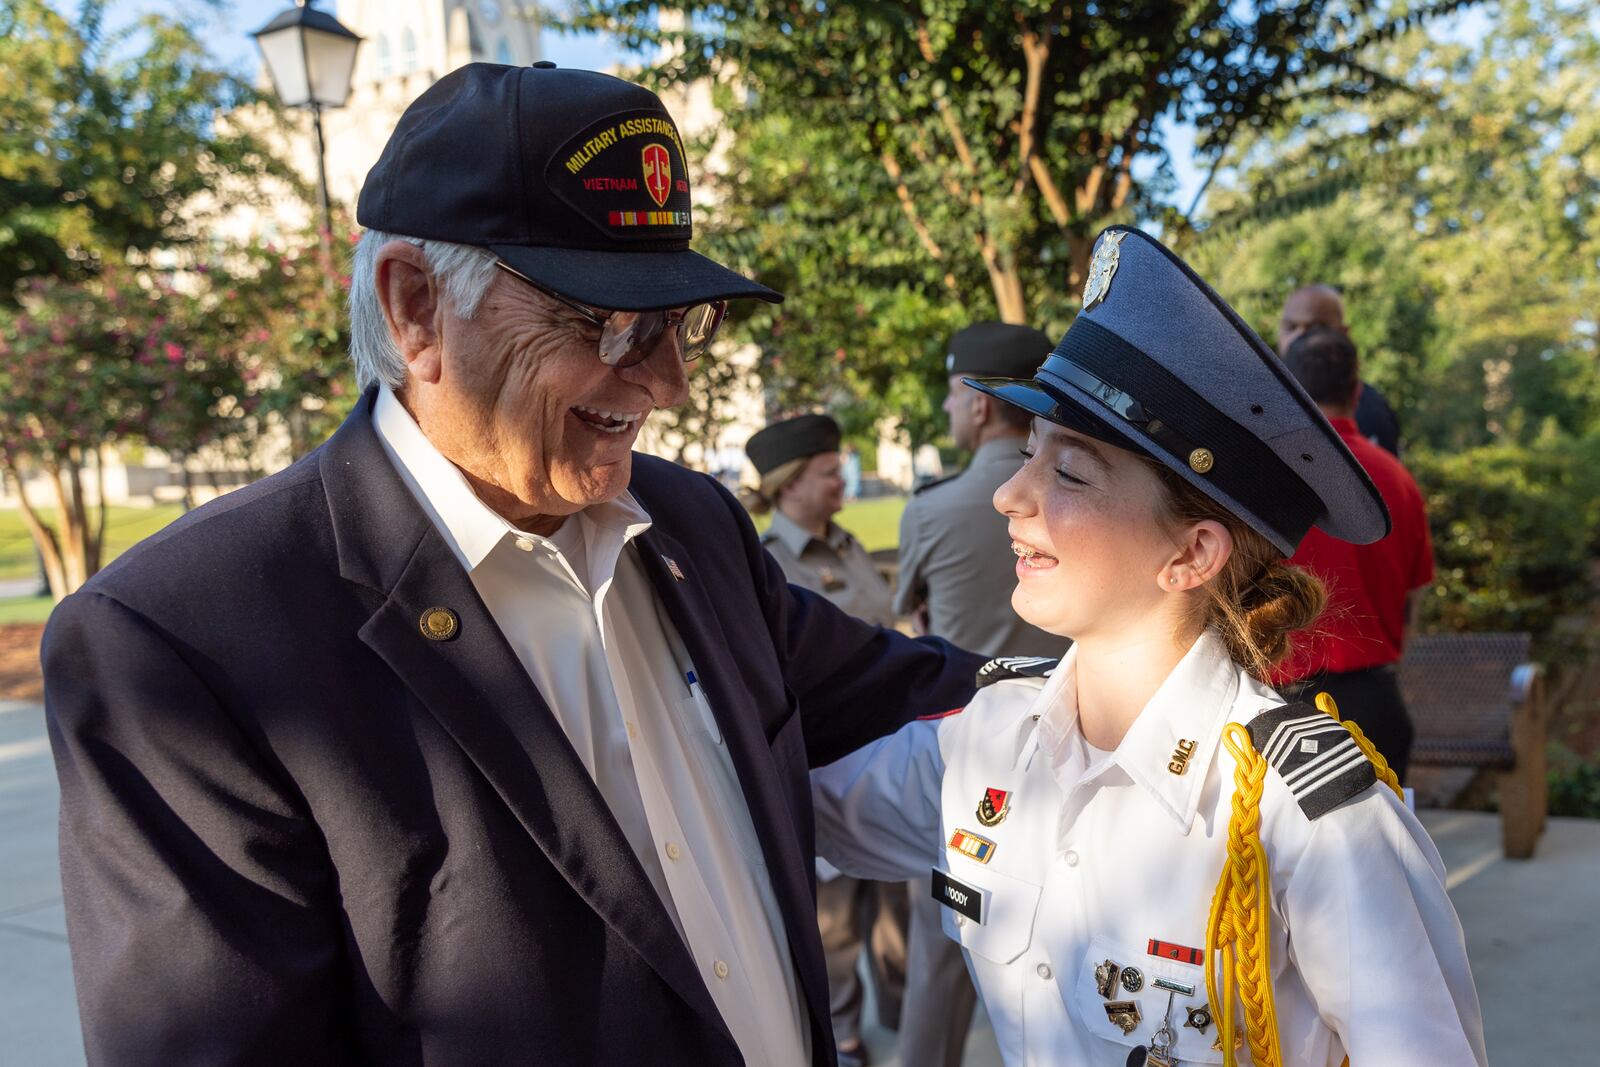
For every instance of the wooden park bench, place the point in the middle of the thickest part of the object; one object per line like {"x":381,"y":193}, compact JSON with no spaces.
{"x":1477,"y":702}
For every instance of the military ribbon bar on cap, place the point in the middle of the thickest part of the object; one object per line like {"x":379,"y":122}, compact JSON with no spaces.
{"x":626,"y":175}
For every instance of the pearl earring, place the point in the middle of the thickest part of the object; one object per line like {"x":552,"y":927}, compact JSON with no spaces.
{"x":1172,"y":579}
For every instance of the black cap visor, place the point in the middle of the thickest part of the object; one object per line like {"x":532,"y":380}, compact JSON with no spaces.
{"x":631,"y":281}
{"x":1032,"y":397}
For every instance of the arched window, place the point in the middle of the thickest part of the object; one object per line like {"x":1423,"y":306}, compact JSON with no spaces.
{"x":408,"y":50}
{"x":502,"y":52}
{"x":380,"y":50}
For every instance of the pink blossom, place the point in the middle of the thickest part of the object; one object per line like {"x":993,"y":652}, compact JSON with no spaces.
{"x":174,"y":352}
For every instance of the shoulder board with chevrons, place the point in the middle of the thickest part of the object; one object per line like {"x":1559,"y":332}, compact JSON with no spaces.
{"x":1316,"y":757}
{"x":1015,"y":667}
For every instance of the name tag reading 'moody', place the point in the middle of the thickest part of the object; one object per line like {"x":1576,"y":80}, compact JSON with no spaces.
{"x":963,"y":898}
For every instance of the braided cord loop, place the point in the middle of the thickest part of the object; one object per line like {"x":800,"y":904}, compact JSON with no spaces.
{"x":1238,"y":932}
{"x":1239,"y":929}
{"x":1328,"y":706}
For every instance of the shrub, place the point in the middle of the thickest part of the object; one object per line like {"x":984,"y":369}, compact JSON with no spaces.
{"x":1514,"y":535}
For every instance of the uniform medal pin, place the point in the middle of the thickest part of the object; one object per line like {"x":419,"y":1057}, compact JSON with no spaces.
{"x":673,"y":568}
{"x":1105,"y":979}
{"x":994,"y":807}
{"x":972,"y":846}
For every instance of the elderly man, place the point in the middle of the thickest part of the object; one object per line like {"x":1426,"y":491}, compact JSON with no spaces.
{"x":1312,"y":306}
{"x":473,"y":737}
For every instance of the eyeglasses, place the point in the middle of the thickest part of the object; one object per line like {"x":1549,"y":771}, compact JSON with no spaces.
{"x":627,"y":337}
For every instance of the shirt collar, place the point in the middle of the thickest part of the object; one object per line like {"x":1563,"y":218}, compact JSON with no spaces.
{"x":1193,"y":705}
{"x":469,"y":526}
{"x":1345,"y":427}
{"x":795,"y":538}
{"x":1000,"y":448}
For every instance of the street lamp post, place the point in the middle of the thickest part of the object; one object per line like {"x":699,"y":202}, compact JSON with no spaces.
{"x":310,"y":57}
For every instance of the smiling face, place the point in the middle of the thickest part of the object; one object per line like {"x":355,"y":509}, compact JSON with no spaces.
{"x":1086,"y":525}
{"x":817,"y":492}
{"x":517,"y":397}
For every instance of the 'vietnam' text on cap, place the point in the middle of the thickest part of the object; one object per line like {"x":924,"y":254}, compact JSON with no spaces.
{"x":575,"y":179}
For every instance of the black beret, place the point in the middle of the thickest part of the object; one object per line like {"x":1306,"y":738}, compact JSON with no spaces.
{"x":796,"y":438}
{"x":1003,"y":349}
{"x":1156,"y":362}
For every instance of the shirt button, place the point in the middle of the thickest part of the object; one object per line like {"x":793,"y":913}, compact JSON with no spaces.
{"x":1043,"y":971}
{"x":525,"y":544}
{"x":961,"y":920}
{"x":721,"y":969}
{"x":673,"y":851}
{"x":1070,"y":858}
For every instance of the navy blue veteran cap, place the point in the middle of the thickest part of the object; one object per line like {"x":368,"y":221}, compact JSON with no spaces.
{"x":1000,"y":348}
{"x":1156,"y":362}
{"x":575,"y":179}
{"x":797,"y":438}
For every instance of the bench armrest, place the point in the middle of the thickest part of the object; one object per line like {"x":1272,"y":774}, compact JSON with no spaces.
{"x":1522,"y":679}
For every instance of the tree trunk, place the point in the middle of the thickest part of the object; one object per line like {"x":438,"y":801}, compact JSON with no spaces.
{"x":1007,"y":283}
{"x":44,"y":538}
{"x":69,"y":506}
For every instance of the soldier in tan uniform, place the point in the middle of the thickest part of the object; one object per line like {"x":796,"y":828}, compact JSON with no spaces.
{"x":803,"y":488}
{"x":956,"y":577}
{"x":955,"y":557}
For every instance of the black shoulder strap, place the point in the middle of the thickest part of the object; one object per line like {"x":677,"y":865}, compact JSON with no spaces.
{"x":1316,"y":757}
{"x":1015,"y":667}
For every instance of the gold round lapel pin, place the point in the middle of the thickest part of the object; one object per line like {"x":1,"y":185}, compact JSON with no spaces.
{"x":439,"y":624}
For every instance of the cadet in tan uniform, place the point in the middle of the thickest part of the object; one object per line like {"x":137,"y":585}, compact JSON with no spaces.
{"x":956,"y":577}
{"x":803,"y":488}
{"x":955,"y":557}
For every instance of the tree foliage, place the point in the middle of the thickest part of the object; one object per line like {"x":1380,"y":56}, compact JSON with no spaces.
{"x":904,"y":166}
{"x":86,"y":365}
{"x":1464,"y":226}
{"x":108,"y":141}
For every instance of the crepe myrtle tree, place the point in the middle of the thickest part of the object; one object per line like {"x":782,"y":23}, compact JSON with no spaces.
{"x":86,"y":366}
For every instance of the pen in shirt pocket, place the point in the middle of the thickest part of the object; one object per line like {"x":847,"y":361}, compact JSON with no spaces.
{"x":698,"y":694}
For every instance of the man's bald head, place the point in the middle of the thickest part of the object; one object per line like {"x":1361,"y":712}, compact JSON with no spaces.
{"x":1309,"y":306}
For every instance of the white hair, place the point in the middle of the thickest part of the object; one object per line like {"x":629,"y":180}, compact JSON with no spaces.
{"x":463,"y":273}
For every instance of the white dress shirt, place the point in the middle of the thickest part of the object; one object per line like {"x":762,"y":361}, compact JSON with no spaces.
{"x":1100,"y":853}
{"x":578,"y":610}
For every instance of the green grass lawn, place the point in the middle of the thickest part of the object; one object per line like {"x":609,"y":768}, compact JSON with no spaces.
{"x":875,"y":522}
{"x":125,"y":527}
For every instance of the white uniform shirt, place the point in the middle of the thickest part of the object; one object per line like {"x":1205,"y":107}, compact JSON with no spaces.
{"x":578,"y":610}
{"x":1098,"y":855}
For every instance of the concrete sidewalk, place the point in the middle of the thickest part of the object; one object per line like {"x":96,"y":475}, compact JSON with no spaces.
{"x":1532,"y":927}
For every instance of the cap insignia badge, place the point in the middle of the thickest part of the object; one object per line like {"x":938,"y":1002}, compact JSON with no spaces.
{"x":1102,"y":267}
{"x":994,"y":806}
{"x":657,"y":173}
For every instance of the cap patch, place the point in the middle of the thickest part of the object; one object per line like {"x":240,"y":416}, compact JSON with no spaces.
{"x":625,"y":175}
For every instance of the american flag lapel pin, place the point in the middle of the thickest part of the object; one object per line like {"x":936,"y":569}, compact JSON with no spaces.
{"x":672,"y":565}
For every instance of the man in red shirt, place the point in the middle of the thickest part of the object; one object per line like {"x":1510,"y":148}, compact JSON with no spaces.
{"x":1373,"y":589}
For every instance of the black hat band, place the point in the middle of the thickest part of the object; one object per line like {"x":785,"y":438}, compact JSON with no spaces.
{"x":1136,"y":389}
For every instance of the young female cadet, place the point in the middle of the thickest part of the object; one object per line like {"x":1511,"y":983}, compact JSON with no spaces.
{"x":1145,"y":856}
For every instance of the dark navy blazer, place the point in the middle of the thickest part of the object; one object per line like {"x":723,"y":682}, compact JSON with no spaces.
{"x":296,"y":831}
